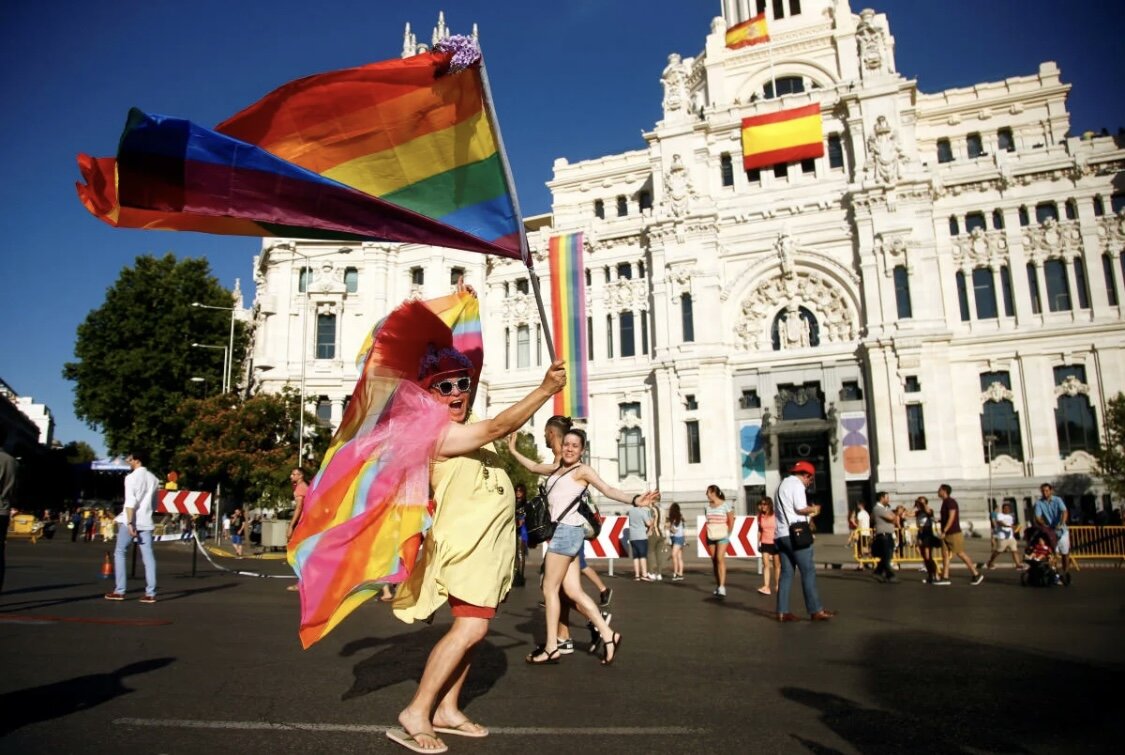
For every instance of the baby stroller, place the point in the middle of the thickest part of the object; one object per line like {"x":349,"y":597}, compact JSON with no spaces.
{"x":1039,"y":555}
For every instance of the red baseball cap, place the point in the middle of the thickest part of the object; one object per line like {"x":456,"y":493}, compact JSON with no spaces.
{"x":803,"y":467}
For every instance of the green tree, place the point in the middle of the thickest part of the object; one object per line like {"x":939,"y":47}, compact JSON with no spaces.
{"x":79,"y":452}
{"x":248,"y":446}
{"x":134,"y":359}
{"x":1111,"y":456}
{"x":525,"y":444}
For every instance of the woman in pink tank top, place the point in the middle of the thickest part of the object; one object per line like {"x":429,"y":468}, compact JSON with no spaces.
{"x":767,"y":531}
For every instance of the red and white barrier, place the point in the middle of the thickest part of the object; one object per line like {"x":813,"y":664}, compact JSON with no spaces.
{"x":743,"y":538}
{"x":183,"y":502}
{"x":608,"y":542}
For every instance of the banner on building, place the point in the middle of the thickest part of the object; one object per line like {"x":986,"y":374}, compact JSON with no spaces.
{"x":857,"y":457}
{"x":749,"y":32}
{"x":568,"y":321}
{"x":752,"y":448}
{"x":787,"y":136}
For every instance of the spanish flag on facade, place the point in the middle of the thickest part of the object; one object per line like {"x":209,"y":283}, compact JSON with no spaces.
{"x":784,"y":137}
{"x":749,"y":32}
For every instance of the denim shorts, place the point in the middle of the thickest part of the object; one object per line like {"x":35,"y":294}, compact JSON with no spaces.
{"x":678,"y":540}
{"x":639,"y":548}
{"x":567,"y":541}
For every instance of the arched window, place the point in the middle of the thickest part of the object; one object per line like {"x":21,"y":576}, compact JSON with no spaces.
{"x":789,"y":333}
{"x":944,"y":151}
{"x":783,"y":85}
{"x":303,"y":278}
{"x":351,"y":279}
{"x":999,"y":420}
{"x":599,"y":209}
{"x":954,"y":226}
{"x":1075,"y":423}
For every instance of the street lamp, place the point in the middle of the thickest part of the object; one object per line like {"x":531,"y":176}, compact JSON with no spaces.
{"x":203,"y":380}
{"x":226,"y":357}
{"x":989,"y":440}
{"x":228,"y":378}
{"x":306,"y":270}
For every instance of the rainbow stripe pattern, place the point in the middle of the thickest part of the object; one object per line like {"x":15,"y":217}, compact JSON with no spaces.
{"x":366,"y":509}
{"x":568,"y":321}
{"x":402,"y":150}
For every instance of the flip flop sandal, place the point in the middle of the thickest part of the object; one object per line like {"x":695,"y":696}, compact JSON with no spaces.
{"x":459,"y":730}
{"x":548,"y":658}
{"x":615,"y":643}
{"x":409,"y":742}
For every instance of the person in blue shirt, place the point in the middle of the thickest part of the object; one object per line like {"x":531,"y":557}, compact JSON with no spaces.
{"x":1051,"y":513}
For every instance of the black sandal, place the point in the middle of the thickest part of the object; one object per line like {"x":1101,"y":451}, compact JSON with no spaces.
{"x":615,"y":643}
{"x":548,"y":658}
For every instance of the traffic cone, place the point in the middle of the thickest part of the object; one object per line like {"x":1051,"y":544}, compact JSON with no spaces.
{"x":107,"y":567}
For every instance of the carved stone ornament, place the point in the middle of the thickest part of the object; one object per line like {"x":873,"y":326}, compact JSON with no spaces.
{"x":820,"y":296}
{"x":674,"y":79}
{"x":1071,"y":386}
{"x":680,"y":278}
{"x":328,"y":279}
{"x":996,"y":392}
{"x":677,"y":188}
{"x":798,"y":394}
{"x":892,"y":249}
{"x":326,"y":308}
{"x":1078,"y":462}
{"x":785,"y":246}
{"x":624,"y":295}
{"x":794,"y":331}
{"x":1111,"y":231}
{"x":1052,"y":240}
{"x":980,"y":249}
{"x":518,"y":309}
{"x":872,"y":44}
{"x":885,"y":158}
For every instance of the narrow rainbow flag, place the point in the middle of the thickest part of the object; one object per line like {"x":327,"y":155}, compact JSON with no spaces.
{"x":402,"y":150}
{"x":568,"y":321}
{"x":783,"y":137}
{"x":749,"y":32}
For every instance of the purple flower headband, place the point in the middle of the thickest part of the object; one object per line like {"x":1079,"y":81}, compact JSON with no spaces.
{"x":465,"y":51}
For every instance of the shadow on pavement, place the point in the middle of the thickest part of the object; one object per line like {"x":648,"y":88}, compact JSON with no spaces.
{"x":163,"y":597}
{"x":401,"y":658}
{"x":50,"y":701}
{"x":41,"y":588}
{"x":973,"y":697}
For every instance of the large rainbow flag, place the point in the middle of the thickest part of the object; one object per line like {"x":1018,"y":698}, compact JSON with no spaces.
{"x":402,"y":150}
{"x":568,"y":321}
{"x":366,"y":509}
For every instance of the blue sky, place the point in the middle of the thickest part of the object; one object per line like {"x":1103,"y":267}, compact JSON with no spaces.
{"x":575,"y":79}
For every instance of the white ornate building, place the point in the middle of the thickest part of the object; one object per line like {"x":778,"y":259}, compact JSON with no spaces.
{"x":946,"y":281}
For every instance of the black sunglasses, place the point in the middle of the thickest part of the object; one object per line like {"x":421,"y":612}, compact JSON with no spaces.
{"x":445,"y":387}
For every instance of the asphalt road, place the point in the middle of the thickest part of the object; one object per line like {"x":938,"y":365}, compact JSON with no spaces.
{"x":215,"y":665}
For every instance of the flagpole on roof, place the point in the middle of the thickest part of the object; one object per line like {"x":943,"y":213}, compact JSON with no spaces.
{"x":525,"y":251}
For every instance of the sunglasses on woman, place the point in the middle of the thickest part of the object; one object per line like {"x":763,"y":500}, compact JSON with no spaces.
{"x":445,"y":387}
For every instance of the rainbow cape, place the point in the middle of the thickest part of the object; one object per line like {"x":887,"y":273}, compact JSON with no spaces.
{"x":366,"y":510}
{"x":402,"y":150}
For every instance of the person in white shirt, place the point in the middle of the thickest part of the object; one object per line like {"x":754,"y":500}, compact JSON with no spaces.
{"x":1004,"y":536}
{"x":791,"y":508}
{"x":135,"y":523}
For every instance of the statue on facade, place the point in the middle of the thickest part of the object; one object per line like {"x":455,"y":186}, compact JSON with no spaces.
{"x":872,"y":45}
{"x":674,"y":79}
{"x":885,"y":157}
{"x":677,"y":184}
{"x":785,"y":247}
{"x":797,"y":333}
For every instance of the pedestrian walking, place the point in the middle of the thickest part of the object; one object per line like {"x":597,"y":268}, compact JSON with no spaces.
{"x":237,"y":531}
{"x":1051,"y":514}
{"x":9,"y":469}
{"x":720,"y":521}
{"x":300,"y":490}
{"x":883,"y":544}
{"x":656,"y":544}
{"x":952,"y":539}
{"x":793,"y":509}
{"x":1005,"y":536}
{"x":767,"y":546}
{"x":639,"y":517}
{"x":927,"y":539}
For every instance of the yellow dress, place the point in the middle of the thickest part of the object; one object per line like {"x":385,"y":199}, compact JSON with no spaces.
{"x":470,"y":551}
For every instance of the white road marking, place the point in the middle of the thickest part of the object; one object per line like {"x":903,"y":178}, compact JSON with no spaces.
{"x":619,"y":731}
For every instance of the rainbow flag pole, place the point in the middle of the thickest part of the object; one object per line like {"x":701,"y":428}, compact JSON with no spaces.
{"x":568,"y":308}
{"x":525,"y":251}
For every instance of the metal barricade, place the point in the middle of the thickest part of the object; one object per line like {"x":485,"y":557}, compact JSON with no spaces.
{"x":1090,"y":543}
{"x":906,"y":547}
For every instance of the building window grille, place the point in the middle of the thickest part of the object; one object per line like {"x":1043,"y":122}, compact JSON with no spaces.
{"x":693,"y":455}
{"x":915,"y":427}
{"x":984,"y":293}
{"x":1004,"y":140}
{"x":726,"y":169}
{"x":1075,"y":423}
{"x":974,"y":146}
{"x":835,"y":152}
{"x":326,"y":336}
{"x":687,"y":318}
{"x":962,"y":296}
{"x":523,"y":346}
{"x":1058,"y":289}
{"x":944,"y":151}
{"x":628,"y":342}
{"x":631,"y":453}
{"x":1000,"y":420}
{"x":783,"y":85}
{"x":902,"y":293}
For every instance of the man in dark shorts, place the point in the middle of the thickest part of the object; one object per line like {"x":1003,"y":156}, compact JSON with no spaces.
{"x":952,"y":539}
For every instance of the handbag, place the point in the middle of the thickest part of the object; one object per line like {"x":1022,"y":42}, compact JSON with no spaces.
{"x":800,"y":535}
{"x":592,"y":526}
{"x":717,"y":531}
{"x":540,"y":526}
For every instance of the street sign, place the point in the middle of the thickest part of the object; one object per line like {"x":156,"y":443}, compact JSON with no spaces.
{"x":743,"y":538}
{"x":183,"y":502}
